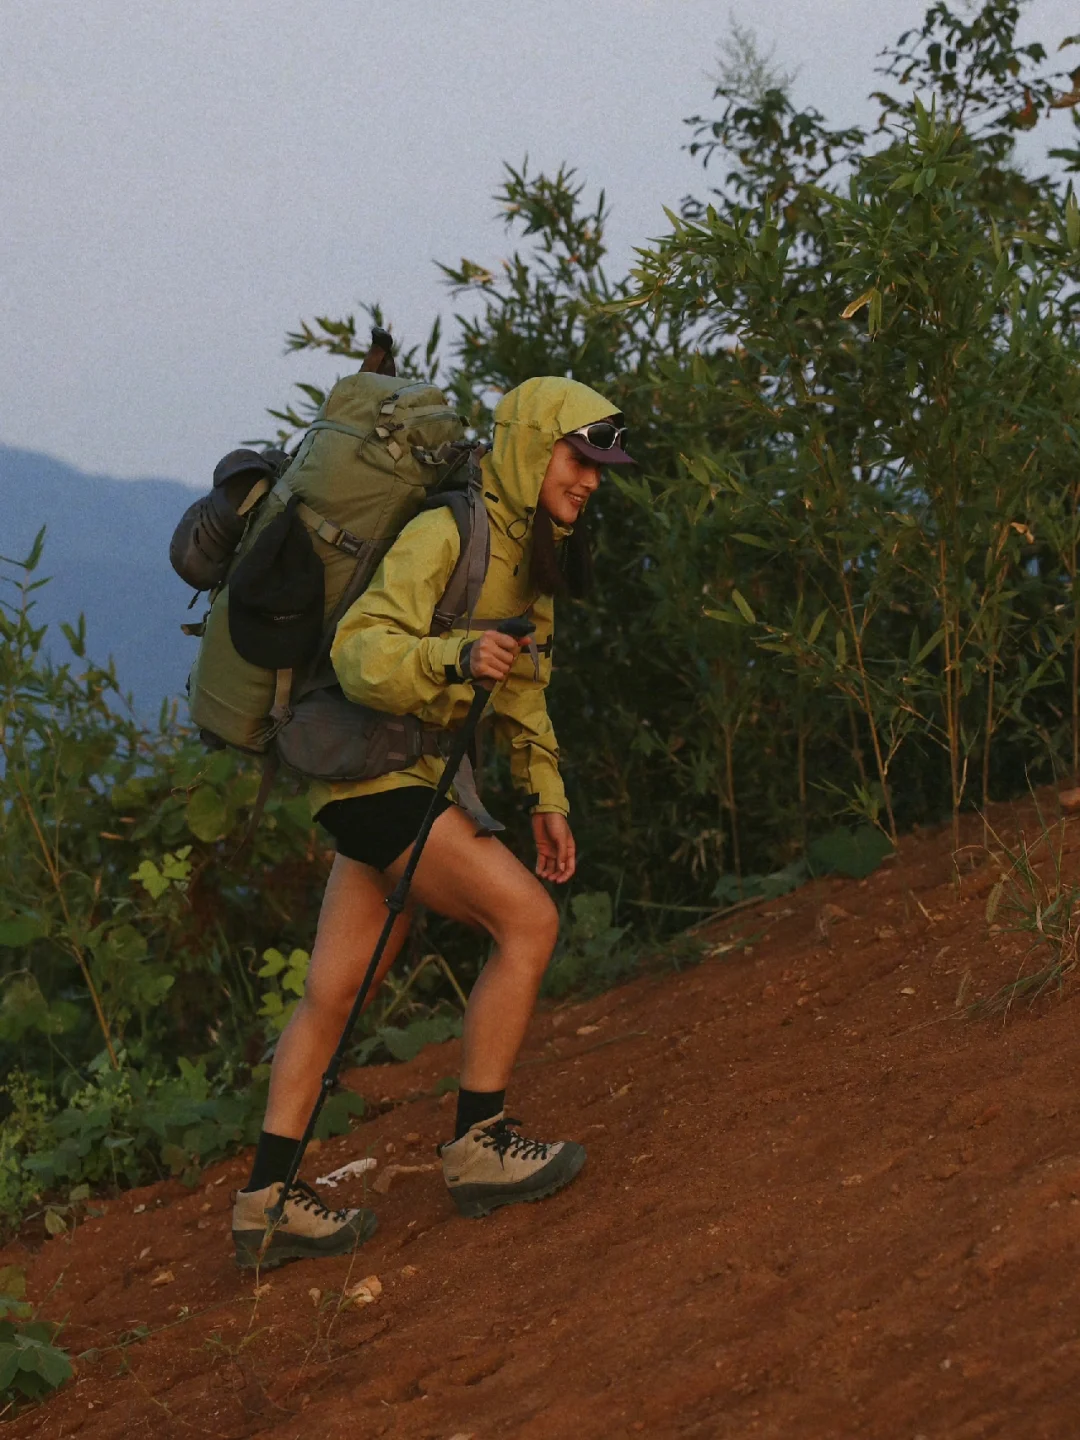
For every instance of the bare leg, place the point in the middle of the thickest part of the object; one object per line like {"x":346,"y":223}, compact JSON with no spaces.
{"x":350,"y":921}
{"x":478,"y":881}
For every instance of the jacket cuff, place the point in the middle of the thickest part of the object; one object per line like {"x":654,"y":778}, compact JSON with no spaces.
{"x":443,"y":658}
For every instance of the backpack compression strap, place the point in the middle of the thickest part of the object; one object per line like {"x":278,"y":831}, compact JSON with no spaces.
{"x":335,"y":535}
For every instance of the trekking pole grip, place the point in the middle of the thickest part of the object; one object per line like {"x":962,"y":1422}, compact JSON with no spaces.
{"x":520,"y":627}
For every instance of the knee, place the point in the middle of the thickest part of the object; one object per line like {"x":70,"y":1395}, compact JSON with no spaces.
{"x":530,"y":925}
{"x":323,"y":1007}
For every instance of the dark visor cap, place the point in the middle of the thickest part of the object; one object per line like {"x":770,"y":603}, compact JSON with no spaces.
{"x":276,"y":597}
{"x":612,"y":455}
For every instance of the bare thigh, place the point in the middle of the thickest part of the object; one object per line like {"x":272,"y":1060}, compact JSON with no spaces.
{"x":351,"y":919}
{"x":476,"y":880}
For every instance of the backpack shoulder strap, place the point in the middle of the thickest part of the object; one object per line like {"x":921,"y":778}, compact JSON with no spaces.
{"x":462,"y":593}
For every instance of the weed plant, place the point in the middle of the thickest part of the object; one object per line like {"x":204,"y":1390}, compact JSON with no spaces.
{"x":31,"y":1363}
{"x":1035,"y":901}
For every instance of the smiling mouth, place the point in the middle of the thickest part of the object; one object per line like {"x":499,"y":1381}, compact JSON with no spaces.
{"x":578,"y":499}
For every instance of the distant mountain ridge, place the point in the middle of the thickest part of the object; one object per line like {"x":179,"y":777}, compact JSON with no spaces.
{"x":107,"y":553}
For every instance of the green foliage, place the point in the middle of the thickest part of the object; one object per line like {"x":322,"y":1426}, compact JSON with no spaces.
{"x":30,"y":1364}
{"x":128,"y":936}
{"x":893,"y":517}
{"x":25,"y":1130}
{"x":120,"y":1127}
{"x":734,"y":889}
{"x":135,"y":1018}
{"x":591,"y":955}
{"x":289,"y":975}
{"x":854,"y":853}
{"x":405,"y":1042}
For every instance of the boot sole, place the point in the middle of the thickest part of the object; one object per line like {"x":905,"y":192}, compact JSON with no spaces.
{"x":475,"y":1201}
{"x":248,"y":1244}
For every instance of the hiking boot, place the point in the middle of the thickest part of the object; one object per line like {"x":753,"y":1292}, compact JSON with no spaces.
{"x":492,"y":1165}
{"x":307,"y":1227}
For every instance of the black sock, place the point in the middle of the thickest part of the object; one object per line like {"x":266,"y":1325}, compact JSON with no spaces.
{"x":476,"y":1106}
{"x":273,"y":1156}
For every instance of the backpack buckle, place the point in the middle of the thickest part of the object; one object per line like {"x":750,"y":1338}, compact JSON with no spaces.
{"x":350,"y":544}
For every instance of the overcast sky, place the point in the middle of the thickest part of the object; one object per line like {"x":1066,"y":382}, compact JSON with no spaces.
{"x":180,"y":183}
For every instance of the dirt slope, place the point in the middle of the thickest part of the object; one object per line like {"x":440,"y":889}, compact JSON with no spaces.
{"x":819,"y":1203}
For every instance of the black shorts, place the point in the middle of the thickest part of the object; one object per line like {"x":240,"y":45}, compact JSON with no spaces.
{"x":376,"y":829}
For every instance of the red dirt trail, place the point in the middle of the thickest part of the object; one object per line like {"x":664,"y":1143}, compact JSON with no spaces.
{"x":821,"y":1202}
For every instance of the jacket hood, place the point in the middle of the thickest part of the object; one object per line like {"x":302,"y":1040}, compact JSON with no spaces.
{"x":528,"y":421}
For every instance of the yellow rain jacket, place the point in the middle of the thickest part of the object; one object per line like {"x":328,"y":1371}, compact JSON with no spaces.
{"x":383,"y":654}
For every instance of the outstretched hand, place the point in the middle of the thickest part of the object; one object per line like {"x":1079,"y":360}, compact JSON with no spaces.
{"x":556,"y":853}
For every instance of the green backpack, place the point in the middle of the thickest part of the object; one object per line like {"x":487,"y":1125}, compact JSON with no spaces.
{"x":380,"y":451}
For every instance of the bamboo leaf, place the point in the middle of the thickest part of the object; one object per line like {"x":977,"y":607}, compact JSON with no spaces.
{"x":743,"y":607}
{"x":930,"y":646}
{"x":849,"y":311}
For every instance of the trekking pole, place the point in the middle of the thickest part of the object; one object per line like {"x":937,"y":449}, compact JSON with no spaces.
{"x":518,"y":627}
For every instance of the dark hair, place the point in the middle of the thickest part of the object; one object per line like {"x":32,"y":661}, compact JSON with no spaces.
{"x":565,"y":569}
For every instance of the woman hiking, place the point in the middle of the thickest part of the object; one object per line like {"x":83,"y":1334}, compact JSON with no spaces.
{"x":552,"y":437}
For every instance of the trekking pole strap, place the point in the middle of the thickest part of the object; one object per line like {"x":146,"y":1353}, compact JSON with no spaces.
{"x":469,"y":799}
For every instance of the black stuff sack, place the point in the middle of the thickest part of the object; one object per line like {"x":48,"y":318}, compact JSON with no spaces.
{"x":276,"y":596}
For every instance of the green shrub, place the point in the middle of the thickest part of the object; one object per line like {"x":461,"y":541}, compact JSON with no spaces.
{"x":30,"y":1364}
{"x":591,"y":954}
{"x":282,"y":998}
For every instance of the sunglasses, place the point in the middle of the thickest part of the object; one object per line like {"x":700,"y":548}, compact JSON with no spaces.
{"x":603,"y":434}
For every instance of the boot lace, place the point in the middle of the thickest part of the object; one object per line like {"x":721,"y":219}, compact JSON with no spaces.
{"x":309,"y":1199}
{"x":505,"y":1140}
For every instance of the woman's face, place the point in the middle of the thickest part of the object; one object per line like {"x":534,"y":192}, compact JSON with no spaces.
{"x":568,"y":482}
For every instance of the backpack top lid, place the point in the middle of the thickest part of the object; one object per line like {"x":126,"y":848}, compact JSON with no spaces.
{"x":276,"y":596}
